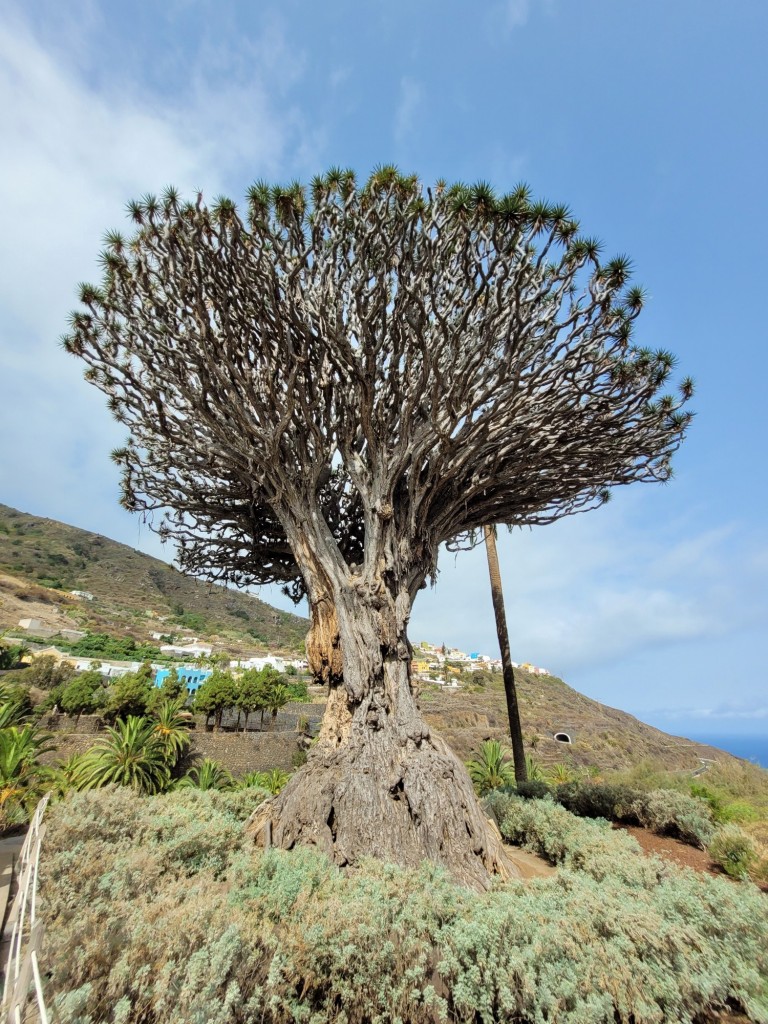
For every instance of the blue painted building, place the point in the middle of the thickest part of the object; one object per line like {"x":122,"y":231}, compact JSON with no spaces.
{"x":193,"y":678}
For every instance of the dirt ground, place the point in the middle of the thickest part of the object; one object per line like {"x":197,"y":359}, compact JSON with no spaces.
{"x":678,"y":853}
{"x":51,"y":610}
{"x":674,"y":850}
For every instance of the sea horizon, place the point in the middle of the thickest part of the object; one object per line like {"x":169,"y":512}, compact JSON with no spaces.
{"x":750,"y":747}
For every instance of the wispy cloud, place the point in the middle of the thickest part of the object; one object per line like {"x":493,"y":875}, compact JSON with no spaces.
{"x":407,"y":111}
{"x":74,"y":151}
{"x":515,"y":13}
{"x":744,"y":712}
{"x":586,"y":592}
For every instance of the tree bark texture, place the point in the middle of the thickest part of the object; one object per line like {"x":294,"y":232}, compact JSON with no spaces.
{"x":378,"y":780}
{"x":510,"y":690}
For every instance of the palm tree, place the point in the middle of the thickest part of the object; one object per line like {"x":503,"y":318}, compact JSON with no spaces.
{"x":209,"y":774}
{"x":132,"y":755}
{"x":510,"y":690}
{"x":15,"y":706}
{"x":172,"y":723}
{"x":273,"y":781}
{"x":533,"y":769}
{"x":63,"y":776}
{"x":278,"y":696}
{"x":491,"y":768}
{"x":559,"y":773}
{"x":22,"y":777}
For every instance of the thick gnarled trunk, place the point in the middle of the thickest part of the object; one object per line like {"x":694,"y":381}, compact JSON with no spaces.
{"x":378,"y":782}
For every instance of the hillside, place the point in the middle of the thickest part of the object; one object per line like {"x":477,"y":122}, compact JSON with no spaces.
{"x":601,"y":736}
{"x":41,"y":560}
{"x":135,"y":594}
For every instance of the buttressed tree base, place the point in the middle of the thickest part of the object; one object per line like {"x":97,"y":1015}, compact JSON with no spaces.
{"x":322,"y":392}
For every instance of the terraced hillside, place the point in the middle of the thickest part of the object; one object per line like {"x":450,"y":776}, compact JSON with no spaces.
{"x":600,"y":735}
{"x":41,"y":560}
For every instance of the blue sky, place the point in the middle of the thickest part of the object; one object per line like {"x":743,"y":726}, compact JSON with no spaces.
{"x":647,"y":118}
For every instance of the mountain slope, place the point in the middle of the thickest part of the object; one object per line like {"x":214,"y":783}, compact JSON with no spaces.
{"x":600,"y":735}
{"x":134,"y":593}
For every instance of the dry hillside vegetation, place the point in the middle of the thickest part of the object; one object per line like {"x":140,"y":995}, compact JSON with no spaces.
{"x":47,"y":556}
{"x":602,"y":736}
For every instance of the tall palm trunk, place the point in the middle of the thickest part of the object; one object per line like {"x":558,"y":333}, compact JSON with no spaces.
{"x":510,"y":690}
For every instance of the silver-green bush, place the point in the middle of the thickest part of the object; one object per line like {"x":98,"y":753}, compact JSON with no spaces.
{"x":669,"y":812}
{"x":159,"y":909}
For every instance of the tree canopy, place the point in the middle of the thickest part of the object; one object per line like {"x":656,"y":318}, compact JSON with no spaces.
{"x":447,"y":357}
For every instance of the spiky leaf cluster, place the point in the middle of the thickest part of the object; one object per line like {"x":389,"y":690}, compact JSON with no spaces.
{"x":444,"y":358}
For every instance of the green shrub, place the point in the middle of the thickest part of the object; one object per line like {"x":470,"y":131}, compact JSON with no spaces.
{"x":563,"y":838}
{"x":666,"y":811}
{"x":161,"y":910}
{"x":671,"y":813}
{"x":733,"y":850}
{"x":599,"y":800}
{"x":207,"y":775}
{"x":533,"y":789}
{"x":298,"y":758}
{"x":739,"y":811}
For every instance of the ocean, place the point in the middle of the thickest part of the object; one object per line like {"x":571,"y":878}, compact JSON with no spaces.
{"x":753,"y":748}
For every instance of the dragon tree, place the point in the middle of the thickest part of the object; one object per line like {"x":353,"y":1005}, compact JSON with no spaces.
{"x":322,"y":390}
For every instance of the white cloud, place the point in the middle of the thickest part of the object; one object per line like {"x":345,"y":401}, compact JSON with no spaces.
{"x":725,"y":712}
{"x":590,"y":591}
{"x":73,"y":153}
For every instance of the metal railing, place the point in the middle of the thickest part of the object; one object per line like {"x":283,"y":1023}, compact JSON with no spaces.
{"x":26,"y":931}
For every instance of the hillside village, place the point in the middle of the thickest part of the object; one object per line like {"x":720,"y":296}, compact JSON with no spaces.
{"x":442,"y":665}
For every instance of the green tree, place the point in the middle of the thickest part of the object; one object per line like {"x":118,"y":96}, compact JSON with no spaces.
{"x":217,"y":693}
{"x":272,"y":781}
{"x":209,"y":774}
{"x":12,"y":654}
{"x":277,"y":696}
{"x":427,"y":362}
{"x":145,"y":671}
{"x":131,"y":694}
{"x":172,"y":688}
{"x":46,"y":672}
{"x":132,"y":754}
{"x":251,"y":694}
{"x":491,"y":768}
{"x":83,"y":695}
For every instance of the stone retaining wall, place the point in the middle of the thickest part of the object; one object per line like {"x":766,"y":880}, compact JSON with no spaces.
{"x":238,"y":752}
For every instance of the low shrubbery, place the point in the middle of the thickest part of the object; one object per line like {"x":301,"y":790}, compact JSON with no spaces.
{"x":670,"y":813}
{"x":734,"y":851}
{"x":160,"y":909}
{"x":665,"y":811}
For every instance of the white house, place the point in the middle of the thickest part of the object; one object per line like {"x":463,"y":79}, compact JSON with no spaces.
{"x":187,"y":650}
{"x":259,"y":663}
